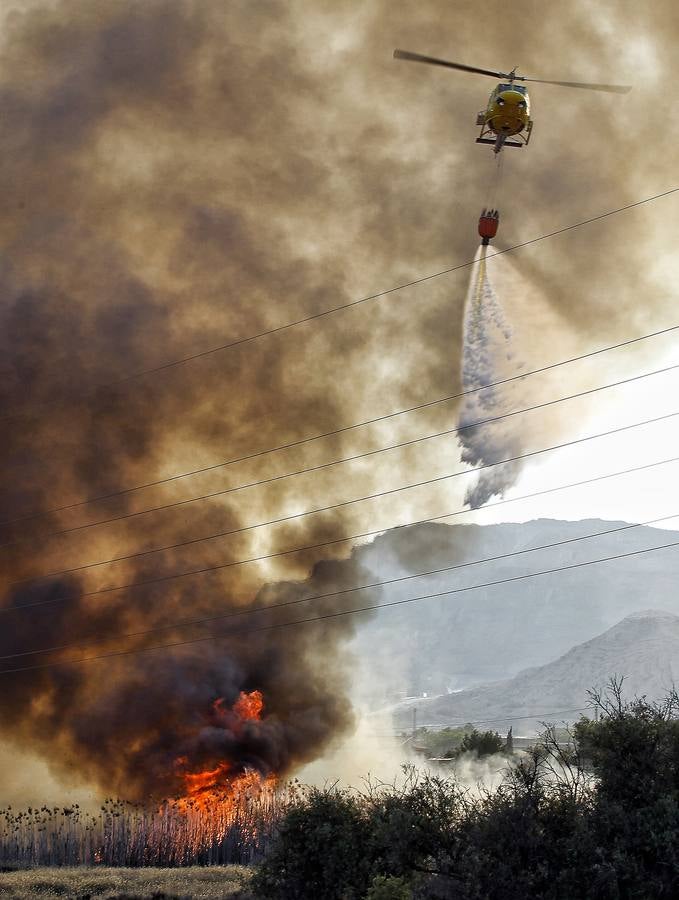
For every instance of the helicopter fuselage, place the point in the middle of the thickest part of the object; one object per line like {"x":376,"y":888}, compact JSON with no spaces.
{"x":506,"y":115}
{"x":508,"y":110}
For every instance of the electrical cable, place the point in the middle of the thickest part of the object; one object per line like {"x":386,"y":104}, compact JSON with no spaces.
{"x":347,"y":612}
{"x":351,"y":537}
{"x":555,"y":712}
{"x":362,"y":587}
{"x":351,"y":304}
{"x":275,"y":478}
{"x":337,"y":431}
{"x":342,"y":430}
{"x":344,"y":503}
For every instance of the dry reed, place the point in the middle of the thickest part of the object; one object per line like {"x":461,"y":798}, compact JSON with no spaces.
{"x":234,"y":831}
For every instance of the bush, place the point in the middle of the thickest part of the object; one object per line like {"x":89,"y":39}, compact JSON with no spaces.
{"x":337,"y":844}
{"x":387,"y":887}
{"x":484,"y":743}
{"x":412,"y":823}
{"x":443,"y":743}
{"x":598,"y":818}
{"x":319,"y":852}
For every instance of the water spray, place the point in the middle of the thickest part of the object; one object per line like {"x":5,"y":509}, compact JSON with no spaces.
{"x":486,"y":359}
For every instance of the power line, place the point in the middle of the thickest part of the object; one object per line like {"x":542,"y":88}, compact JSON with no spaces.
{"x":275,"y":478}
{"x":351,"y":537}
{"x":376,"y":419}
{"x":362,"y":587}
{"x":554,"y":712}
{"x":335,"y":309}
{"x":396,"y":732}
{"x":346,"y":612}
{"x":345,"y":503}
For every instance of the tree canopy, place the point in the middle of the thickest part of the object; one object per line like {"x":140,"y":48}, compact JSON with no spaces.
{"x":596,"y":817}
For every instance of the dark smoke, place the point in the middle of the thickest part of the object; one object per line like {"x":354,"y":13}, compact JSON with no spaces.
{"x":179,"y":173}
{"x":146,"y":218}
{"x":124,"y":724}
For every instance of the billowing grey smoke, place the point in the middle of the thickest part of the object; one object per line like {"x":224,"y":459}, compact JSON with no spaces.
{"x":486,"y":359}
{"x":130,"y":133}
{"x":137,"y":724}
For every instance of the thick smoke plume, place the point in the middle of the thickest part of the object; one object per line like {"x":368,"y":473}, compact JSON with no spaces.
{"x":487,"y":358}
{"x":142,"y":723}
{"x":126,"y":243}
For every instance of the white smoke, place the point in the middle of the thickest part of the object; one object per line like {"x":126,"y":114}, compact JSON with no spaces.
{"x":487,"y":358}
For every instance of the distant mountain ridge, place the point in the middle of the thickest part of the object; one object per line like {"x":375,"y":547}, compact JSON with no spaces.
{"x":488,"y":633}
{"x":643,"y":647}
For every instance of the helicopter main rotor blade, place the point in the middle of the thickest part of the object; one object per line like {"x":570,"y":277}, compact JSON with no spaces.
{"x":433,"y":61}
{"x":610,"y":88}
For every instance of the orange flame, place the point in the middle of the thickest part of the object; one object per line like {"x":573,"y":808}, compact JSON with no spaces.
{"x":249,"y":706}
{"x":198,"y":783}
{"x":217,"y":786}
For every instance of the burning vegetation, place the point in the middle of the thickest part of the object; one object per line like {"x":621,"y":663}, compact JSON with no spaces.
{"x":124,"y":834}
{"x":195,"y":723}
{"x":126,"y":257}
{"x":220,"y":786}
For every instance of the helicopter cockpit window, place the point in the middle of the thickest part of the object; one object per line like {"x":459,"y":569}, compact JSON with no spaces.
{"x":511,"y":87}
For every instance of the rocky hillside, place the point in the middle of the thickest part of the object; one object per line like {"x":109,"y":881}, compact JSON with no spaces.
{"x":493,"y":632}
{"x":643,"y":647}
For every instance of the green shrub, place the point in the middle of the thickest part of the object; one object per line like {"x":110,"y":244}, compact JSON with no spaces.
{"x":443,"y":743}
{"x":319,"y":851}
{"x":483,"y":743}
{"x":336,"y":844}
{"x":597,"y":818}
{"x":388,"y":887}
{"x":411,"y":824}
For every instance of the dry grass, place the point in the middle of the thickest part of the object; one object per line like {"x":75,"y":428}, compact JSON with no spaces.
{"x":236,"y":831}
{"x":229,"y":883}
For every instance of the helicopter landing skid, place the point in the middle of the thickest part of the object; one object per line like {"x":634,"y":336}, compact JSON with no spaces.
{"x":493,"y":141}
{"x":499,"y":141}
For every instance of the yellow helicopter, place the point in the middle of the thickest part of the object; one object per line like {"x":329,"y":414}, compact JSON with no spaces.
{"x":507,"y":114}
